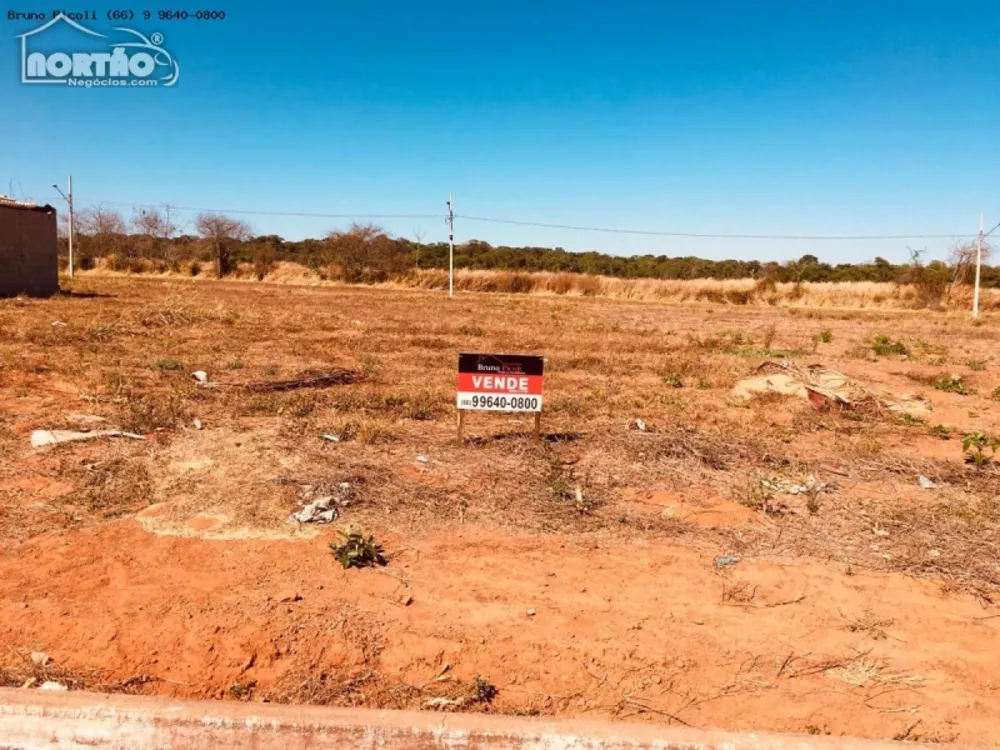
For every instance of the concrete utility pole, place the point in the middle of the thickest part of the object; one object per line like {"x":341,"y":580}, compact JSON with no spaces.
{"x":451,"y":246}
{"x":979,"y":263}
{"x":69,"y":201}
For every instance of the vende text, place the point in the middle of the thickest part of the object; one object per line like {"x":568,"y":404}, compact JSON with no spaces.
{"x":500,"y":383}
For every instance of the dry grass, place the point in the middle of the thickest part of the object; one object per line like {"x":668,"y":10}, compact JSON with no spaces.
{"x":729,"y":292}
{"x":609,"y":361}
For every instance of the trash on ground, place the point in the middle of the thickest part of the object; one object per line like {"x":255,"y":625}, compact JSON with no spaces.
{"x":925,"y":483}
{"x":41,"y":438}
{"x":783,"y":487}
{"x":332,"y":438}
{"x":320,"y":510}
{"x":325,"y":509}
{"x":200,"y":375}
{"x":531,"y":613}
{"x":40,"y":658}
{"x":423,"y":459}
{"x":321,"y":380}
{"x":197,"y":423}
{"x":58,"y":324}
{"x":52,"y":686}
{"x":638,"y":424}
{"x":727,"y":560}
{"x":823,"y":387}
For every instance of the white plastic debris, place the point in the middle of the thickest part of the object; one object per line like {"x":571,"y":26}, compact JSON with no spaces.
{"x":639,"y":424}
{"x":41,"y":438}
{"x":925,"y":483}
{"x":331,"y":437}
{"x":197,"y":423}
{"x":320,"y":510}
{"x":325,"y":509}
{"x":52,"y":686}
{"x":58,"y":324}
{"x":40,"y":658}
{"x":782,"y":487}
{"x":200,"y":375}
{"x":423,"y":459}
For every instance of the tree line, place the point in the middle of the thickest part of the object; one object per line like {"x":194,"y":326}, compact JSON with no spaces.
{"x":155,"y":239}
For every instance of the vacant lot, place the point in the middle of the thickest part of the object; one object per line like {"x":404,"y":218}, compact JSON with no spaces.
{"x":577,"y":576}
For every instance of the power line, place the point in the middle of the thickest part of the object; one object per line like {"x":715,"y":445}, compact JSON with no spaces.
{"x":264,"y":213}
{"x":545,"y":225}
{"x":991,"y":231}
{"x":704,"y":235}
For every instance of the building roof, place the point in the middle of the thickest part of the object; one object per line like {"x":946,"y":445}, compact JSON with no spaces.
{"x":7,"y":202}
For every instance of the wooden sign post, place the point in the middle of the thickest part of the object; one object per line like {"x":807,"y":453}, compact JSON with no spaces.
{"x":500,"y":382}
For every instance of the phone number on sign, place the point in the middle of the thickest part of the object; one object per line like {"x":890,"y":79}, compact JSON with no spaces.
{"x":167,"y":15}
{"x":499,"y":403}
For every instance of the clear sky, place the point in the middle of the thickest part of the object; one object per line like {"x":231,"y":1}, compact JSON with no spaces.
{"x":815,"y":118}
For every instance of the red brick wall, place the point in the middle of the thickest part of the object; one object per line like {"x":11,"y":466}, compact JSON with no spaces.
{"x":29,"y":262}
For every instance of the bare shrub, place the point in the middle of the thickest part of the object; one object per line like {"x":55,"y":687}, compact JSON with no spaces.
{"x":219,"y":233}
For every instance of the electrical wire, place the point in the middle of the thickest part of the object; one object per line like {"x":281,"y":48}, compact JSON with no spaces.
{"x":172,"y":207}
{"x":545,"y":225}
{"x":703,"y":235}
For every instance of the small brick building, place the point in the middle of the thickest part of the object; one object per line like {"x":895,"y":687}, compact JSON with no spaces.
{"x":29,"y":255}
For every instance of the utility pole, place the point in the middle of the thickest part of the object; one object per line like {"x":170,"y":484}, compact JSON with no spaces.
{"x":979,"y":263}
{"x":451,"y":246}
{"x":69,"y":201}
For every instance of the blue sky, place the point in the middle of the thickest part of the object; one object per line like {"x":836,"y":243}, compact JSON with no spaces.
{"x":718,"y":117}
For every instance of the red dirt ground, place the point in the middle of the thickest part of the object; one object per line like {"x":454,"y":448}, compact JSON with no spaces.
{"x":189,"y":582}
{"x":616,"y":629}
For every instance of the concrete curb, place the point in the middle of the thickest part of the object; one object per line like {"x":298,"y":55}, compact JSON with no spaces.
{"x":31,"y":719}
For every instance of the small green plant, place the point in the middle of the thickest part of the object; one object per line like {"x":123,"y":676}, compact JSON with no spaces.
{"x":826,"y":336}
{"x":976,"y":365}
{"x":757,"y":494}
{"x":908,"y":419}
{"x":884,"y":346}
{"x":976,"y":444}
{"x":168,"y":364}
{"x":236,"y":364}
{"x":483,"y":691}
{"x":996,"y":394}
{"x":673,"y":380}
{"x":357,"y":552}
{"x":940,"y":431}
{"x":704,"y":384}
{"x":952,"y":384}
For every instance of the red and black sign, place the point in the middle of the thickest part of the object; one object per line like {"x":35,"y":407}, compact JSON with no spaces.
{"x":500,"y":382}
